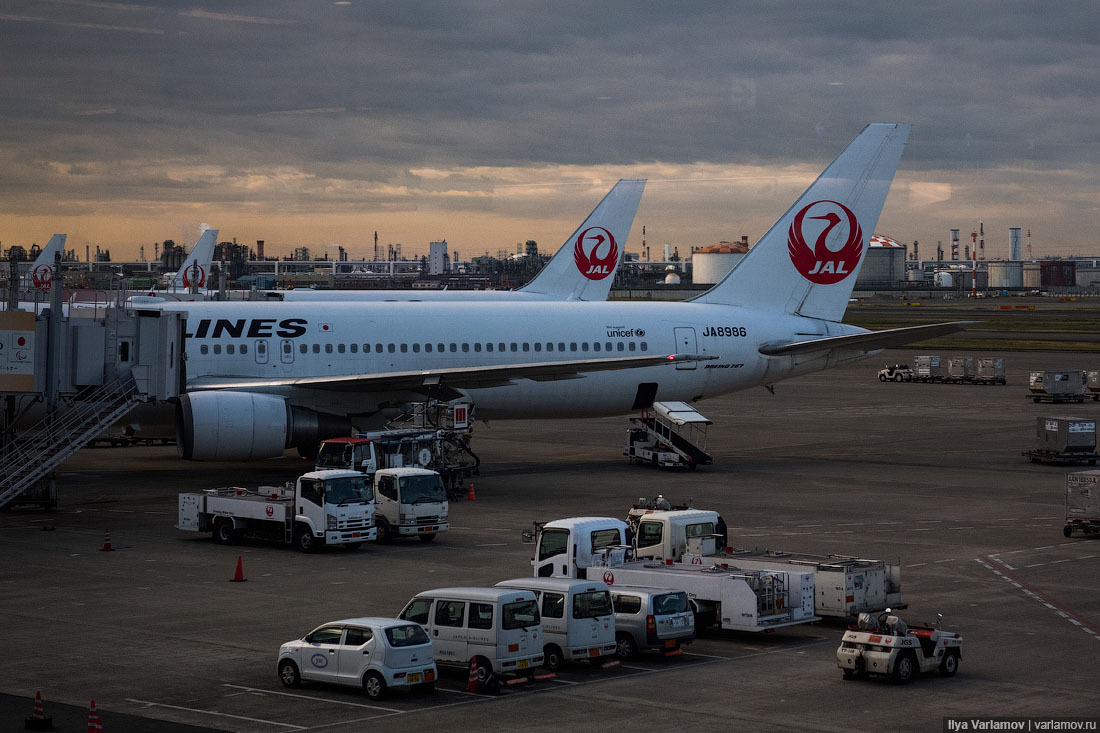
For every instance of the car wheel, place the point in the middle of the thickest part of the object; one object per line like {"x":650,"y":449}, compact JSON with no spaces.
{"x":1067,"y":531}
{"x":552,"y":657}
{"x":224,"y":533}
{"x":385,"y":536}
{"x":950,"y":664}
{"x":625,"y":646}
{"x":427,"y":538}
{"x":486,"y":680}
{"x":897,"y":377}
{"x":904,"y":669}
{"x":882,"y":377}
{"x":305,"y":541}
{"x":374,"y":685}
{"x":288,"y":674}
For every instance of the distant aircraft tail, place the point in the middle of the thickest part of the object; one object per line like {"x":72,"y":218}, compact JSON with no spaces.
{"x":55,"y":245}
{"x":197,"y":265}
{"x":808,"y":261}
{"x":585,"y":266}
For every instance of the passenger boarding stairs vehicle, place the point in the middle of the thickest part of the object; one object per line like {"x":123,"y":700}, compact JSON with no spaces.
{"x":669,"y":435}
{"x":885,"y":646}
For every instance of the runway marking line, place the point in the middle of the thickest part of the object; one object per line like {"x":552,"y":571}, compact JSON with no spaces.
{"x":149,"y":703}
{"x":1039,"y":597}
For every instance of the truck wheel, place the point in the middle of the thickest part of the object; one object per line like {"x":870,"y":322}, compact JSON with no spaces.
{"x":625,"y":646}
{"x":1067,"y":531}
{"x":427,"y":538}
{"x":950,"y":664}
{"x":552,"y":657}
{"x":305,"y":541}
{"x":374,"y":685}
{"x":904,"y":669}
{"x":289,"y":675}
{"x":385,"y":536}
{"x":224,"y":534}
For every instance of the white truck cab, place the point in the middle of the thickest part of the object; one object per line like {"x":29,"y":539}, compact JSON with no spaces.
{"x":411,"y":502}
{"x":566,"y":547}
{"x":578,"y":621}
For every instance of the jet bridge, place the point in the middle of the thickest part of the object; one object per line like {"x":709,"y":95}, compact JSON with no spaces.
{"x":66,"y":379}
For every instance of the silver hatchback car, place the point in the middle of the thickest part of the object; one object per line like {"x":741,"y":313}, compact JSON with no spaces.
{"x":651,"y":618}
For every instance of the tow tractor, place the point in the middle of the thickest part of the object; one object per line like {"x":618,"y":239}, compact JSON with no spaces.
{"x":896,"y":373}
{"x":669,"y":435}
{"x":320,"y":508}
{"x":885,"y":646}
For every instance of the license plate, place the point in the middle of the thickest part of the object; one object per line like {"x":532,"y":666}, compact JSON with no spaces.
{"x":523,"y":664}
{"x":670,"y":644}
{"x":354,"y":534}
{"x":427,"y":529}
{"x":413,"y":679}
{"x":679,"y":621}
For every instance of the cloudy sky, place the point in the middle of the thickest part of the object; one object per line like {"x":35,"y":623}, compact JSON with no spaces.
{"x":488,"y":123}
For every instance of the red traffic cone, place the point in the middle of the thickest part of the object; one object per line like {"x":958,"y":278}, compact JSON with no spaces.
{"x":38,"y":719}
{"x":471,"y":496}
{"x":107,"y":543}
{"x":238,"y":577}
{"x":471,"y":685}
{"x":94,"y":723}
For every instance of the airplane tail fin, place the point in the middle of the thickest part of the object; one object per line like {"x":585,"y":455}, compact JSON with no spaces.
{"x":195,"y":268}
{"x":584,"y":267}
{"x":55,"y":245}
{"x":808,"y":261}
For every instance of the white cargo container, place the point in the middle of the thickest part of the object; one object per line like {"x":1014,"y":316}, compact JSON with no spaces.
{"x":1056,"y":386}
{"x":1082,"y":503}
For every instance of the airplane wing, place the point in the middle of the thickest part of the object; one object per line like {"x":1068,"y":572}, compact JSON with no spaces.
{"x":456,"y":378}
{"x":869,"y":341}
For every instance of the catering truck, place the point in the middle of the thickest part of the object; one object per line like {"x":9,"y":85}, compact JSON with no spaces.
{"x":444,"y":451}
{"x":411,"y":502}
{"x":320,"y":508}
{"x":595,"y":548}
{"x":843,"y":585}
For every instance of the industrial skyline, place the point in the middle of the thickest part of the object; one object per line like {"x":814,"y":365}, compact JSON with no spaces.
{"x":317,"y":124}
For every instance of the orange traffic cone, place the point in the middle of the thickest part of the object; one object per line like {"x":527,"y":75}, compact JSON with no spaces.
{"x":471,"y":685}
{"x":95,"y":725}
{"x":107,"y":543}
{"x":471,"y":496}
{"x":38,"y":719}
{"x":238,"y":577}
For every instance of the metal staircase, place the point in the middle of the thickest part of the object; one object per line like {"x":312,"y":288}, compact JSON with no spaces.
{"x":28,"y":460}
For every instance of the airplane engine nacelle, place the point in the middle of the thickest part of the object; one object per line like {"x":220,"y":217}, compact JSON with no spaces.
{"x":231,"y":426}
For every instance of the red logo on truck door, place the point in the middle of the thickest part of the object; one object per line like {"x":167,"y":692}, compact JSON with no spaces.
{"x":609,"y":577}
{"x":828,"y":224}
{"x":586,"y":253}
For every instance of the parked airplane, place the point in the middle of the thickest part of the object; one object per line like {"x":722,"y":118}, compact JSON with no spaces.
{"x":583,"y":269}
{"x":263,"y":377}
{"x":41,"y":272}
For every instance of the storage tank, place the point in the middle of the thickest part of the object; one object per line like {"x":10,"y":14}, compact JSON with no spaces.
{"x":710,"y":264}
{"x":1032,"y":279}
{"x":1058,"y":273}
{"x":1006,"y":275}
{"x":916,"y":276}
{"x":884,"y":263}
{"x":944,"y":280}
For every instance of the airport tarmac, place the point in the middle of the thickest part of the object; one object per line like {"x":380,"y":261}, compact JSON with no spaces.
{"x":926,"y":474}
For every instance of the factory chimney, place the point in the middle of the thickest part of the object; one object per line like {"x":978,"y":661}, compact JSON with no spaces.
{"x":1014,"y":244}
{"x":954,"y":244}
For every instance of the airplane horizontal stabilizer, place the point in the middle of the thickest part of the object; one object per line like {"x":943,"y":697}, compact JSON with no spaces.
{"x":457,"y":378}
{"x":870,"y":341}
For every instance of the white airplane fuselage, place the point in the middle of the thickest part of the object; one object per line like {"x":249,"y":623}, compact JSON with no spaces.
{"x":316,"y":340}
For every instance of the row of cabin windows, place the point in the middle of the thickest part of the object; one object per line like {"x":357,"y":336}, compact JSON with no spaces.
{"x":477,"y":348}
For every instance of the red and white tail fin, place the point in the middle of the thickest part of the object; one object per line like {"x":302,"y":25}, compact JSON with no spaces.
{"x":584,"y":267}
{"x":808,"y":261}
{"x":196,"y":267}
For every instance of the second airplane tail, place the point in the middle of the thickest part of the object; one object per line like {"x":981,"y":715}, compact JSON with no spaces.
{"x":808,"y":261}
{"x":584,"y":267}
{"x":193,"y":272}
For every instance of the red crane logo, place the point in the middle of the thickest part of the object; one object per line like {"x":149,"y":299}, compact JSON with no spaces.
{"x":590,"y":264}
{"x":820,"y":264}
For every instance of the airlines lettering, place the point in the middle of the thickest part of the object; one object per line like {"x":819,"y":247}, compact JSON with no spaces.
{"x":738,"y":331}
{"x":252,"y":328}
{"x":836,"y":268}
{"x":602,"y":270}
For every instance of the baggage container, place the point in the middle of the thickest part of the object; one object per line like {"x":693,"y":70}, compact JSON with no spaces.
{"x":928,"y":369}
{"x":1066,"y":434}
{"x":991,"y":370}
{"x":1058,"y":386}
{"x":1092,"y":384}
{"x":962,"y":369}
{"x":1082,"y":503}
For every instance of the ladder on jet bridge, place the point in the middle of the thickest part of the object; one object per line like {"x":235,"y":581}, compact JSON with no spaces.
{"x":671,"y":428}
{"x":28,"y":460}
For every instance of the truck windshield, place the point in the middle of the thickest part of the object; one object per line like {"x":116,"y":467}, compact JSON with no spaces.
{"x":335,"y":455}
{"x":553,"y":542}
{"x":419,"y":489}
{"x":348,"y":490}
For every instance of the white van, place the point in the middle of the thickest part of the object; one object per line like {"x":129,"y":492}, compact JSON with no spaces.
{"x":578,"y":621}
{"x":498,"y":628}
